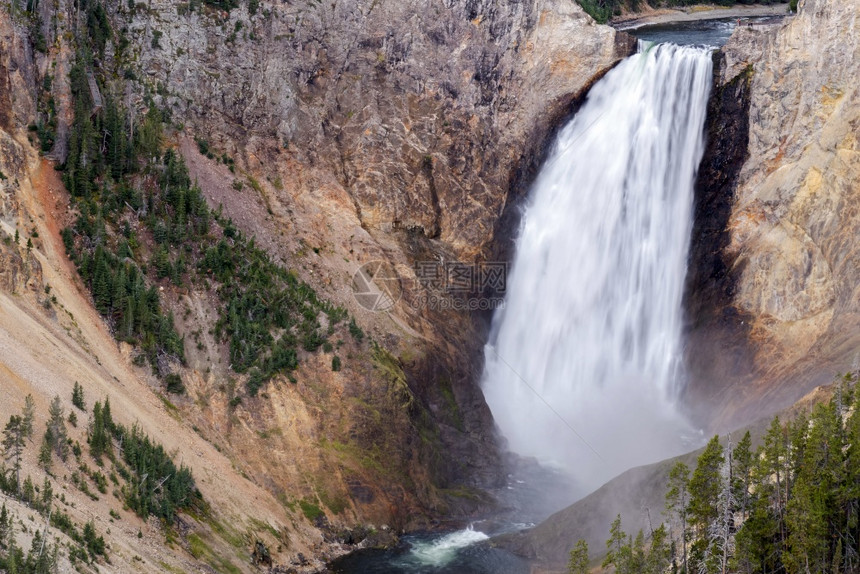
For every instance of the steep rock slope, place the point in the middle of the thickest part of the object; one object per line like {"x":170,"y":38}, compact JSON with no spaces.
{"x":786,"y":242}
{"x":377,"y":131}
{"x":50,"y":339}
{"x":420,"y":110}
{"x":384,"y":130}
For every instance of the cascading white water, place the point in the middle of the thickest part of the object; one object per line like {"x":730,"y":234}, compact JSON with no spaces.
{"x":589,"y":341}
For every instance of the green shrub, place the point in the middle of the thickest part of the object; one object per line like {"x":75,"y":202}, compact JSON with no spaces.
{"x":311,"y":510}
{"x":355,"y":331}
{"x":173,"y":383}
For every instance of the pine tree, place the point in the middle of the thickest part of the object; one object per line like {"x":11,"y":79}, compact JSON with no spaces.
{"x":619,"y":552}
{"x":742,"y":473}
{"x":47,"y":496}
{"x":110,"y":427}
{"x":99,"y":439}
{"x":57,"y":426}
{"x":5,"y":526}
{"x":78,"y":397}
{"x":659,"y":555}
{"x":28,"y":491}
{"x":773,"y":459}
{"x":578,"y":563}
{"x":757,"y":543}
{"x":15,"y":561}
{"x":46,"y":451}
{"x":27,"y":416}
{"x":677,"y":501}
{"x":705,"y":486}
{"x":637,"y":554}
{"x":808,"y":513}
{"x":13,"y":446}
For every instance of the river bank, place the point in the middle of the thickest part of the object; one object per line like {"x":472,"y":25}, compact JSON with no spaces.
{"x":695,"y":13}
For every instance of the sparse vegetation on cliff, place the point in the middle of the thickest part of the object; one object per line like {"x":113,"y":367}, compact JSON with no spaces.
{"x":86,"y":544}
{"x":147,"y":480}
{"x":142,"y":224}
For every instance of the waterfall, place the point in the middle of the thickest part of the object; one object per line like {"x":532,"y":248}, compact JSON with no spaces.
{"x":583,"y":365}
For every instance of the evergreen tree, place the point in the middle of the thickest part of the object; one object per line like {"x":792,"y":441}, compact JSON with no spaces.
{"x":27,"y":416}
{"x":57,"y":426}
{"x":100,"y":431}
{"x":677,"y":501}
{"x":578,"y":563}
{"x":95,"y":544}
{"x":809,"y":512}
{"x":659,"y":554}
{"x":46,"y":451}
{"x":5,"y":527}
{"x":15,"y":560}
{"x":705,"y":486}
{"x":78,"y":397}
{"x":13,"y":446}
{"x":28,"y":491}
{"x":774,"y":459}
{"x":619,"y":552}
{"x":638,"y":557}
{"x":742,"y":473}
{"x":47,"y":496}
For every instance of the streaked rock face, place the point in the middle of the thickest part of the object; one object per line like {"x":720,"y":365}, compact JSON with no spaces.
{"x":794,"y":221}
{"x":372,"y":129}
{"x":396,"y":130}
{"x":422,"y":109}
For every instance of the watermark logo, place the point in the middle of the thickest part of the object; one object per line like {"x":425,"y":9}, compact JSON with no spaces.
{"x":376,"y":286}
{"x":441,"y":286}
{"x":456,"y":277}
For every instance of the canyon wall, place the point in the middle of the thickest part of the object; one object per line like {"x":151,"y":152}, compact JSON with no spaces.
{"x":779,"y":268}
{"x":361,"y":131}
{"x":384,"y":130}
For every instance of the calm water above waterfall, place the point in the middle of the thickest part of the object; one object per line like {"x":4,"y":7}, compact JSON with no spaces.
{"x":583,"y":365}
{"x":698,"y":32}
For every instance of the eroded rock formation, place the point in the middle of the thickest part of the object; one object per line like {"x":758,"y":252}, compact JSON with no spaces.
{"x":383,"y":130}
{"x":787,"y":244}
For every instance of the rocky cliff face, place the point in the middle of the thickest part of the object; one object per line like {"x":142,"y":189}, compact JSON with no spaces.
{"x":421,"y":111}
{"x":394,"y":131}
{"x":787,"y":243}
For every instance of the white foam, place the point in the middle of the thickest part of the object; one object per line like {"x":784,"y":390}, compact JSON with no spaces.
{"x":441,"y":551}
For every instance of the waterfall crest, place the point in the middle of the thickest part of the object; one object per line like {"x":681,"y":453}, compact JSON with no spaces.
{"x":583,"y":364}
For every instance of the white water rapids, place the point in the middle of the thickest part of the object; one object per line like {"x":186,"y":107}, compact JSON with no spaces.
{"x":583,"y":366}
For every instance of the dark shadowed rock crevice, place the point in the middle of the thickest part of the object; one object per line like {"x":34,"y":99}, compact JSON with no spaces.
{"x":713,"y":321}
